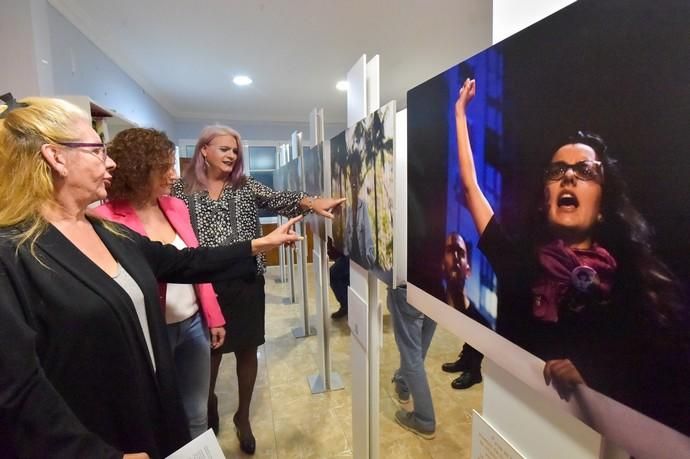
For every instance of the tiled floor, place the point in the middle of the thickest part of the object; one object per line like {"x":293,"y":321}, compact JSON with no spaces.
{"x":289,"y":422}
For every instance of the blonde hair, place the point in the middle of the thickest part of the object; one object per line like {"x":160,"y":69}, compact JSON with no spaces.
{"x":26,"y":179}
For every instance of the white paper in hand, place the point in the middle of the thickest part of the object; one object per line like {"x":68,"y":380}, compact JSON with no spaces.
{"x":205,"y":446}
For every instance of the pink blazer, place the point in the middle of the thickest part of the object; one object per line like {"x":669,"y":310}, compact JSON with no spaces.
{"x":177,"y":214}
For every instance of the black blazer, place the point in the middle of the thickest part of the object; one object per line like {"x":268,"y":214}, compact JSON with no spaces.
{"x":76,"y":378}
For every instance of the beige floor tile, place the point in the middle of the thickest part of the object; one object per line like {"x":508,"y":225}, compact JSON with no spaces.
{"x":289,"y":422}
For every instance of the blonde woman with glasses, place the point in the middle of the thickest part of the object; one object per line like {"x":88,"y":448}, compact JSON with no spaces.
{"x":85,"y":363}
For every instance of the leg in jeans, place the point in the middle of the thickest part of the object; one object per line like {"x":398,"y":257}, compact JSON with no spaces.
{"x":428,"y":329}
{"x":413,"y":335}
{"x":191,"y":349}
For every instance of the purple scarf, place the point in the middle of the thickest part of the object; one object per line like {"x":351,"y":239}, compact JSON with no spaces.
{"x":583,"y":271}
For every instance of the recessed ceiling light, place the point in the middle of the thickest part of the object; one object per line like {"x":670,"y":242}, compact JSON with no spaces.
{"x":242,"y":80}
{"x":341,"y":86}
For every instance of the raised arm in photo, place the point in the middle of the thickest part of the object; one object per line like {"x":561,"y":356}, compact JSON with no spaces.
{"x":478,"y":205}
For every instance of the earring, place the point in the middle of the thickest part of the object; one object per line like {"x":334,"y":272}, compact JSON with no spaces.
{"x":600,"y":218}
{"x":205,"y":163}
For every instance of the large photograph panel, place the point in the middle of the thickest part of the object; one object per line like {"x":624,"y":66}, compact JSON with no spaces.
{"x":362,"y":171}
{"x":610,"y":300}
{"x":313,"y":170}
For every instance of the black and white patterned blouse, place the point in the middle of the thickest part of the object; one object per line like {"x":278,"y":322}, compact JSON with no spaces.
{"x":234,"y":216}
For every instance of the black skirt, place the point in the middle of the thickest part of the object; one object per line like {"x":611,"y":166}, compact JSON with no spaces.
{"x":243,"y":302}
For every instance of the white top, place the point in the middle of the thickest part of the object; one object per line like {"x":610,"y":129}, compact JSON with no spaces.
{"x":132,"y":289}
{"x":180,"y":299}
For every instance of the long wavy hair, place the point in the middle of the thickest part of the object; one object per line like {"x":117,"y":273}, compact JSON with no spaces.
{"x":625,"y":233}
{"x":26,"y":179}
{"x":194,"y":175}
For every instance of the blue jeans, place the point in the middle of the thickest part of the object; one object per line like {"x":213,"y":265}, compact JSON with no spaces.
{"x":413,"y":332}
{"x":189,"y":340}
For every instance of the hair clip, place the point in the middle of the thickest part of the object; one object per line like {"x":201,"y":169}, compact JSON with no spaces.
{"x":11,"y":103}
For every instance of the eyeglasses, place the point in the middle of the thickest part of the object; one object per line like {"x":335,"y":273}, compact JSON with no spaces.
{"x":101,"y":151}
{"x":584,"y":170}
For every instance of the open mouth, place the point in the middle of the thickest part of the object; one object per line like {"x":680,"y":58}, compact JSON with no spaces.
{"x":567,"y":199}
{"x":229,"y":162}
{"x":455,"y":272}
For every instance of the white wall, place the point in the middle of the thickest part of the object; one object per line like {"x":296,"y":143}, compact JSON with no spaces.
{"x":44,"y":54}
{"x":79,"y":67}
{"x":43,"y":58}
{"x":18,"y":73}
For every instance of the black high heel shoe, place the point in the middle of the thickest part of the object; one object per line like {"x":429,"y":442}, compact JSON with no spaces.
{"x":248,"y":442}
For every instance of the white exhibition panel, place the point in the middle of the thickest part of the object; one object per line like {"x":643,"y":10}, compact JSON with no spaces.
{"x":356,"y":91}
{"x":373,"y":99}
{"x":510,"y":17}
{"x":360,"y":396}
{"x":358,"y":318}
{"x":358,"y":292}
{"x":488,"y":442}
{"x":531,"y":423}
{"x":296,"y":144}
{"x":358,"y":280}
{"x":400,"y":210}
{"x":520,"y":393}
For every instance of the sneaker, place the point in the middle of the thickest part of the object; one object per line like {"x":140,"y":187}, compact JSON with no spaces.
{"x":466,"y":380}
{"x":408,"y":422}
{"x":339,"y":314}
{"x":401,"y":392}
{"x":459,"y":365}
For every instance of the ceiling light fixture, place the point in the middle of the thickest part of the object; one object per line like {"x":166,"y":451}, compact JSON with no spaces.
{"x":242,"y":80}
{"x":341,"y":86}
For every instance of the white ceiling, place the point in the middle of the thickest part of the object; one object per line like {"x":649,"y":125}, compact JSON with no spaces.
{"x":185,"y":53}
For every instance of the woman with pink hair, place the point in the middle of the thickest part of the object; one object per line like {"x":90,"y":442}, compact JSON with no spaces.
{"x":223,"y":204}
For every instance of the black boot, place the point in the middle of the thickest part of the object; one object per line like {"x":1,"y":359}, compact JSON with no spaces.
{"x":467,"y":380}
{"x":462,"y":364}
{"x":340,"y":313}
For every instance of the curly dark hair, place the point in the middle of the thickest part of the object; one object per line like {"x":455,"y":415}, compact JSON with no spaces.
{"x":140,"y":154}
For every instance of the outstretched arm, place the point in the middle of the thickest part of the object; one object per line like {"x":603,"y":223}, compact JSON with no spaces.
{"x":284,"y":234}
{"x":322,"y":206}
{"x":479,"y":207}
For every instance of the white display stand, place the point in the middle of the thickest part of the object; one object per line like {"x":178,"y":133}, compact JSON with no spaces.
{"x":290,"y":252}
{"x":325,"y":380}
{"x":400,"y":211}
{"x":304,"y":329}
{"x":364,"y":311}
{"x":281,"y":159}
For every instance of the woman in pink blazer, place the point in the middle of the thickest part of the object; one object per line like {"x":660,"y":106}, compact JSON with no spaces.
{"x":138,"y":198}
